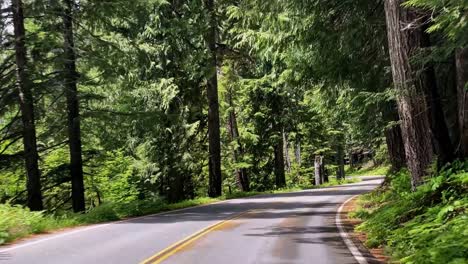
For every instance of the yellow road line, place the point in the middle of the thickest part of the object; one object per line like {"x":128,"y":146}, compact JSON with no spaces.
{"x":174,"y":248}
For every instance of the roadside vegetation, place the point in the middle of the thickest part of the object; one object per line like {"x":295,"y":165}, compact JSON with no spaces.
{"x":428,"y":225}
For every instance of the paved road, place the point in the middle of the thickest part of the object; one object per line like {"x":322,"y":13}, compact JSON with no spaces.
{"x":275,"y":229}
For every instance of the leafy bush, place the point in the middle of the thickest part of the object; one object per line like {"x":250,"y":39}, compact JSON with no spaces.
{"x":429,"y":225}
{"x":16,"y":221}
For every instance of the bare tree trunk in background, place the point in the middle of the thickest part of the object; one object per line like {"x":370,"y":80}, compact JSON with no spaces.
{"x":461,"y":61}
{"x":280,"y":178}
{"x":340,"y":173}
{"x":286,"y":152}
{"x":214,"y":138}
{"x":26,"y":102}
{"x":404,"y":40}
{"x":242,"y":178}
{"x":318,"y":170}
{"x":324,"y":171}
{"x":351,"y":159}
{"x":73,"y":109}
{"x":297,"y":151}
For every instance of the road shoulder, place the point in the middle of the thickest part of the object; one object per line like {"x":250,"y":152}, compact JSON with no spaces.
{"x":348,"y":224}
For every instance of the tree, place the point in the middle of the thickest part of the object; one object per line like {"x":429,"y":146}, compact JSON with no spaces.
{"x":215,"y":177}
{"x":73,"y":109}
{"x":462,"y":92}
{"x":26,"y":101}
{"x":404,"y":39}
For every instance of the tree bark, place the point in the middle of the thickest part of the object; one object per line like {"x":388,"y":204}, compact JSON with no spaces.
{"x":73,"y":109}
{"x":441,"y":141}
{"x":242,"y":178}
{"x":340,"y":173}
{"x":404,"y":39}
{"x":318,"y":171}
{"x":297,"y":151}
{"x":280,"y":178}
{"x":26,"y":102}
{"x":286,"y":152}
{"x":214,"y":138}
{"x":324,"y":171}
{"x":461,"y":61}
{"x":394,"y":140}
{"x":396,"y":148}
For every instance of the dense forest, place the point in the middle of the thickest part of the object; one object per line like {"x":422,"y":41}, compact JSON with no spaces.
{"x":109,"y":101}
{"x":133,"y":106}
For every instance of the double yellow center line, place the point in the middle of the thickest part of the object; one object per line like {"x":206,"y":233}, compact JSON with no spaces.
{"x":176,"y":247}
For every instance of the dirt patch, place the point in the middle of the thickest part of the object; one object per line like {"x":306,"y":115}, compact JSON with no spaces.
{"x":359,"y":238}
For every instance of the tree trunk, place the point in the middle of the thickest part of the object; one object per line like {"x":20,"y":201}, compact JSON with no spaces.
{"x":297,"y":151}
{"x":280,"y":178}
{"x":340,"y":173}
{"x":441,"y":141}
{"x":215,"y":177}
{"x":242,"y":178}
{"x":73,"y":109}
{"x":318,"y":170}
{"x":324,"y":171}
{"x":396,"y":148}
{"x":394,"y":139}
{"x":461,"y":61}
{"x":286,"y":152}
{"x":26,"y":103}
{"x":403,"y":42}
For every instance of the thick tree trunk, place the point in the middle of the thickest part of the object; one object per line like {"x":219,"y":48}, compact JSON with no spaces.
{"x":461,"y":61}
{"x":280,"y":178}
{"x":26,"y":103}
{"x":441,"y":141}
{"x":396,"y":148}
{"x":404,"y":39}
{"x":73,"y":109}
{"x":242,"y":178}
{"x":394,"y":139}
{"x":318,"y":171}
{"x":214,"y":138}
{"x":340,"y":173}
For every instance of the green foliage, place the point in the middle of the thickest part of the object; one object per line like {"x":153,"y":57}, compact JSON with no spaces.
{"x":16,"y":221}
{"x":451,"y":17}
{"x":425,"y":226}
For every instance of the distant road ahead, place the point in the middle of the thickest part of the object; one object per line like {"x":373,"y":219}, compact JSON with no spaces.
{"x":285,"y":228}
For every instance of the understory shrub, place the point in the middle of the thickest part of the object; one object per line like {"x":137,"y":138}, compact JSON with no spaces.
{"x":429,"y":225}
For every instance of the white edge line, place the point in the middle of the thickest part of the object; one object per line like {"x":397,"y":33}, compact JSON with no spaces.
{"x":349,"y":243}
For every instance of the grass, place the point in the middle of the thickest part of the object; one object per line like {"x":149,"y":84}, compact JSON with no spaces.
{"x":429,"y":225}
{"x":18,"y":222}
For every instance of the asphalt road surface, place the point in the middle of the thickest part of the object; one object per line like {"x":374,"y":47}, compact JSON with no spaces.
{"x":285,"y":228}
